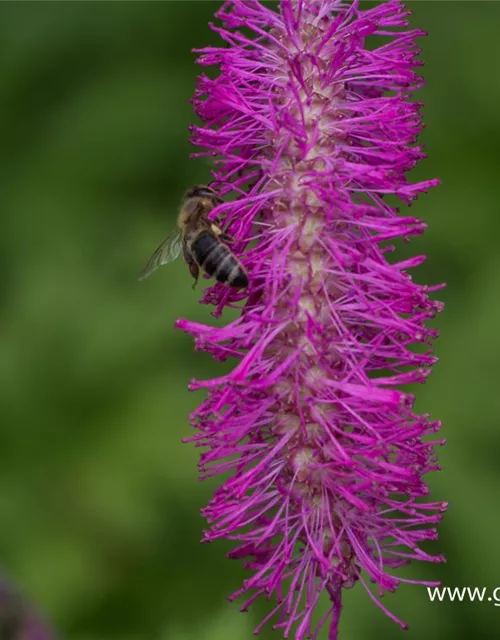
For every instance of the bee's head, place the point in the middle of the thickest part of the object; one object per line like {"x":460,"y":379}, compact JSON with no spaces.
{"x":203,"y":191}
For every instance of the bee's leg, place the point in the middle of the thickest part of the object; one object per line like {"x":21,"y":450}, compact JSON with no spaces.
{"x":225,"y":237}
{"x":221,"y":235}
{"x":188,"y":258}
{"x":194,"y":269}
{"x":215,"y":228}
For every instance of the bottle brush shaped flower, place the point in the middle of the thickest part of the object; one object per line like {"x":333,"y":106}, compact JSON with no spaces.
{"x":312,"y":128}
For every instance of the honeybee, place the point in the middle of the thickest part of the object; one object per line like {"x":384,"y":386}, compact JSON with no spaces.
{"x":202,"y":242}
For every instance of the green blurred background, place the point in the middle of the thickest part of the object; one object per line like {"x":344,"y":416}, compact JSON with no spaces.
{"x":99,"y":500}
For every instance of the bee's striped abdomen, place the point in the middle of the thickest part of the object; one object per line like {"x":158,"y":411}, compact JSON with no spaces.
{"x":217,"y":259}
{"x":202,"y":245}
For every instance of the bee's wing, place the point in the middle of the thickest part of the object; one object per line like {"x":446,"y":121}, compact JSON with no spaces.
{"x":168,"y":251}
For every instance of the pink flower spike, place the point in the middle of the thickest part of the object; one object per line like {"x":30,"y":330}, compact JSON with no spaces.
{"x":313,"y":427}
